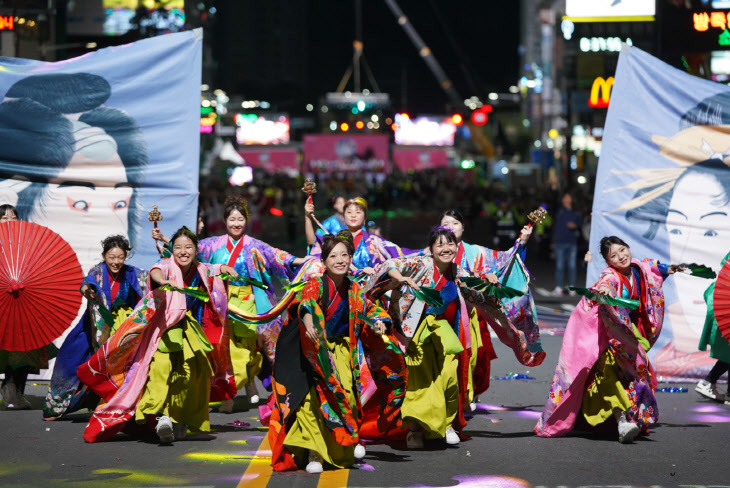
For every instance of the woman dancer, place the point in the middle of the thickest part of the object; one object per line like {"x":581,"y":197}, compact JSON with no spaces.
{"x":603,"y":372}
{"x":319,"y":373}
{"x":155,"y":366}
{"x":520,"y":310}
{"x":253,"y":259}
{"x":113,"y":289}
{"x":370,"y":249}
{"x":441,"y":341}
{"x":17,"y":365}
{"x":719,"y":349}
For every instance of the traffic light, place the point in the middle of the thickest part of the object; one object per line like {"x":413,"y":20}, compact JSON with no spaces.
{"x":480,"y":116}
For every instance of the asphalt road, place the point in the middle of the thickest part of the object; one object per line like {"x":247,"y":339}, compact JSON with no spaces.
{"x":688,"y":447}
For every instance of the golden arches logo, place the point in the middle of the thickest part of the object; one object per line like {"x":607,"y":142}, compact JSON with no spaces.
{"x":603,"y":88}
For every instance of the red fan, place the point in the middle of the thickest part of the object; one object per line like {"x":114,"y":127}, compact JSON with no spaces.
{"x":721,"y":300}
{"x":40,"y":277}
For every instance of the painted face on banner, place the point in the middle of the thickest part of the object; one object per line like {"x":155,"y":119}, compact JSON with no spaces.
{"x":698,"y":229}
{"x":90,"y":197}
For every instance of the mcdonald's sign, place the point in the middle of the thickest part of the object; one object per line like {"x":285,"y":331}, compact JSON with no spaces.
{"x":603,"y":88}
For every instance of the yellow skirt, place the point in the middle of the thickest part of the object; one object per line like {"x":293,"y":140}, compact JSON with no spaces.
{"x":432,"y":393}
{"x":308,"y":431}
{"x":179,"y":380}
{"x":605,"y":393}
{"x":245,"y":355}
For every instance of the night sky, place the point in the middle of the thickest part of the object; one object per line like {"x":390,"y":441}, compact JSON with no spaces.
{"x":486,"y":32}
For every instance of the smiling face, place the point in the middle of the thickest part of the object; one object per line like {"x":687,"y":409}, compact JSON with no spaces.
{"x":90,"y":196}
{"x":114,"y":259}
{"x":443,"y":250}
{"x":456,"y":227}
{"x":619,"y":257}
{"x":184,"y":251}
{"x":8,"y":216}
{"x":236,"y":224}
{"x":338,"y":261}
{"x":698,"y":227}
{"x":354,"y":217}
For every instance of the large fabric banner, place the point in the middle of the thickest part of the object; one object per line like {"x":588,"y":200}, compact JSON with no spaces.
{"x":663,"y":185}
{"x":90,"y":144}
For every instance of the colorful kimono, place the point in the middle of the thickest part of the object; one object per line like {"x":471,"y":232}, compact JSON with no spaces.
{"x":603,"y":362}
{"x":370,"y":250}
{"x":711,"y":335}
{"x":440,"y":380}
{"x":136,"y":364}
{"x":117,"y":299}
{"x":521,"y":312}
{"x":254,"y":259}
{"x":319,"y":388}
{"x":332,"y":224}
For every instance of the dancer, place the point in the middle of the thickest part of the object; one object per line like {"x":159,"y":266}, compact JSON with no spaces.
{"x":719,"y":349}
{"x":441,"y":340}
{"x":154,"y":369}
{"x":336,"y":222}
{"x":520,"y":310}
{"x":603,"y":373}
{"x":320,"y":371}
{"x":370,"y":249}
{"x":253,"y":259}
{"x":17,"y":365}
{"x":112,"y":289}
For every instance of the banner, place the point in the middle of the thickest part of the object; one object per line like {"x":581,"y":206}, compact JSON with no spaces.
{"x":336,"y":153}
{"x":273,"y":160}
{"x":663,"y":186}
{"x":418,"y":159}
{"x":89,"y":144}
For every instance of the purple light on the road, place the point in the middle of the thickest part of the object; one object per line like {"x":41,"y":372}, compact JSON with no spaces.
{"x":711,"y":418}
{"x":470,"y":481}
{"x":528,"y":414}
{"x":488,"y":407}
{"x":708,"y":409}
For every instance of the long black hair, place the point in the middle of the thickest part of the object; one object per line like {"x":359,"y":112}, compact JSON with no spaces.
{"x":609,"y":241}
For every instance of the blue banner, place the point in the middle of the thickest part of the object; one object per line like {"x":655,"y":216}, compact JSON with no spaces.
{"x":663,"y":186}
{"x":90,"y":144}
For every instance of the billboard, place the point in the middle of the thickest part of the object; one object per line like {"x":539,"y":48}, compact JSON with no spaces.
{"x":418,"y":159}
{"x":117,"y":17}
{"x":424,"y":131}
{"x":339,"y":153}
{"x":273,"y":160}
{"x":608,"y":9}
{"x":261,"y":129}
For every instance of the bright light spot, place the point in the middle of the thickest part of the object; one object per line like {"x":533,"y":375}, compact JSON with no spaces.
{"x":90,"y":45}
{"x":333,"y":125}
{"x":265,"y":105}
{"x":310,"y":107}
{"x":467,"y":164}
{"x":371,"y":125}
{"x":359,"y":124}
{"x":525,"y":123}
{"x":514,"y":89}
{"x":457,"y":119}
{"x":205,"y":103}
{"x":366,"y":92}
{"x":241,"y":175}
{"x":361,"y":106}
{"x":505,"y":170}
{"x":493,"y":96}
{"x":376,"y":125}
{"x":344,"y":127}
{"x":582,"y":180}
{"x":538,"y":144}
{"x":553,"y":134}
{"x":324,"y":109}
{"x":374,"y":118}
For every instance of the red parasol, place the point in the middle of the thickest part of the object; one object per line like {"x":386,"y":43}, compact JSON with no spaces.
{"x":40,"y":277}
{"x":721,"y":300}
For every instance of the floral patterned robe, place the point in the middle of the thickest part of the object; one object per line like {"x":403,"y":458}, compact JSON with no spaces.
{"x":592,"y":329}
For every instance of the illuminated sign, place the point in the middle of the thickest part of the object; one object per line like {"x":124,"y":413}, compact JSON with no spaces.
{"x":7,"y":22}
{"x":709,"y":21}
{"x":260,"y":129}
{"x":603,"y":88}
{"x":610,"y":10}
{"x":602,"y":44}
{"x":424,"y":131}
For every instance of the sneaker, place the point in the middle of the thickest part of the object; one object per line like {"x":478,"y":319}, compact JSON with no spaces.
{"x":359,"y":452}
{"x":179,"y":431}
{"x":164,"y":430}
{"x":252,"y":393}
{"x":10,"y":395}
{"x":472,"y":407}
{"x":452,"y":438}
{"x":558,"y":291}
{"x":627,"y":430}
{"x":226,"y":406}
{"x":414,"y":440}
{"x":709,"y":390}
{"x":571,"y":293}
{"x":315,"y":463}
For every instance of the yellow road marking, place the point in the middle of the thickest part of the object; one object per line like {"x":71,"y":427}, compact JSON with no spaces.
{"x":337,"y":478}
{"x":257,"y":474}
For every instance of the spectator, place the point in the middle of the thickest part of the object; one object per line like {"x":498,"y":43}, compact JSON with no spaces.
{"x":565,"y":236}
